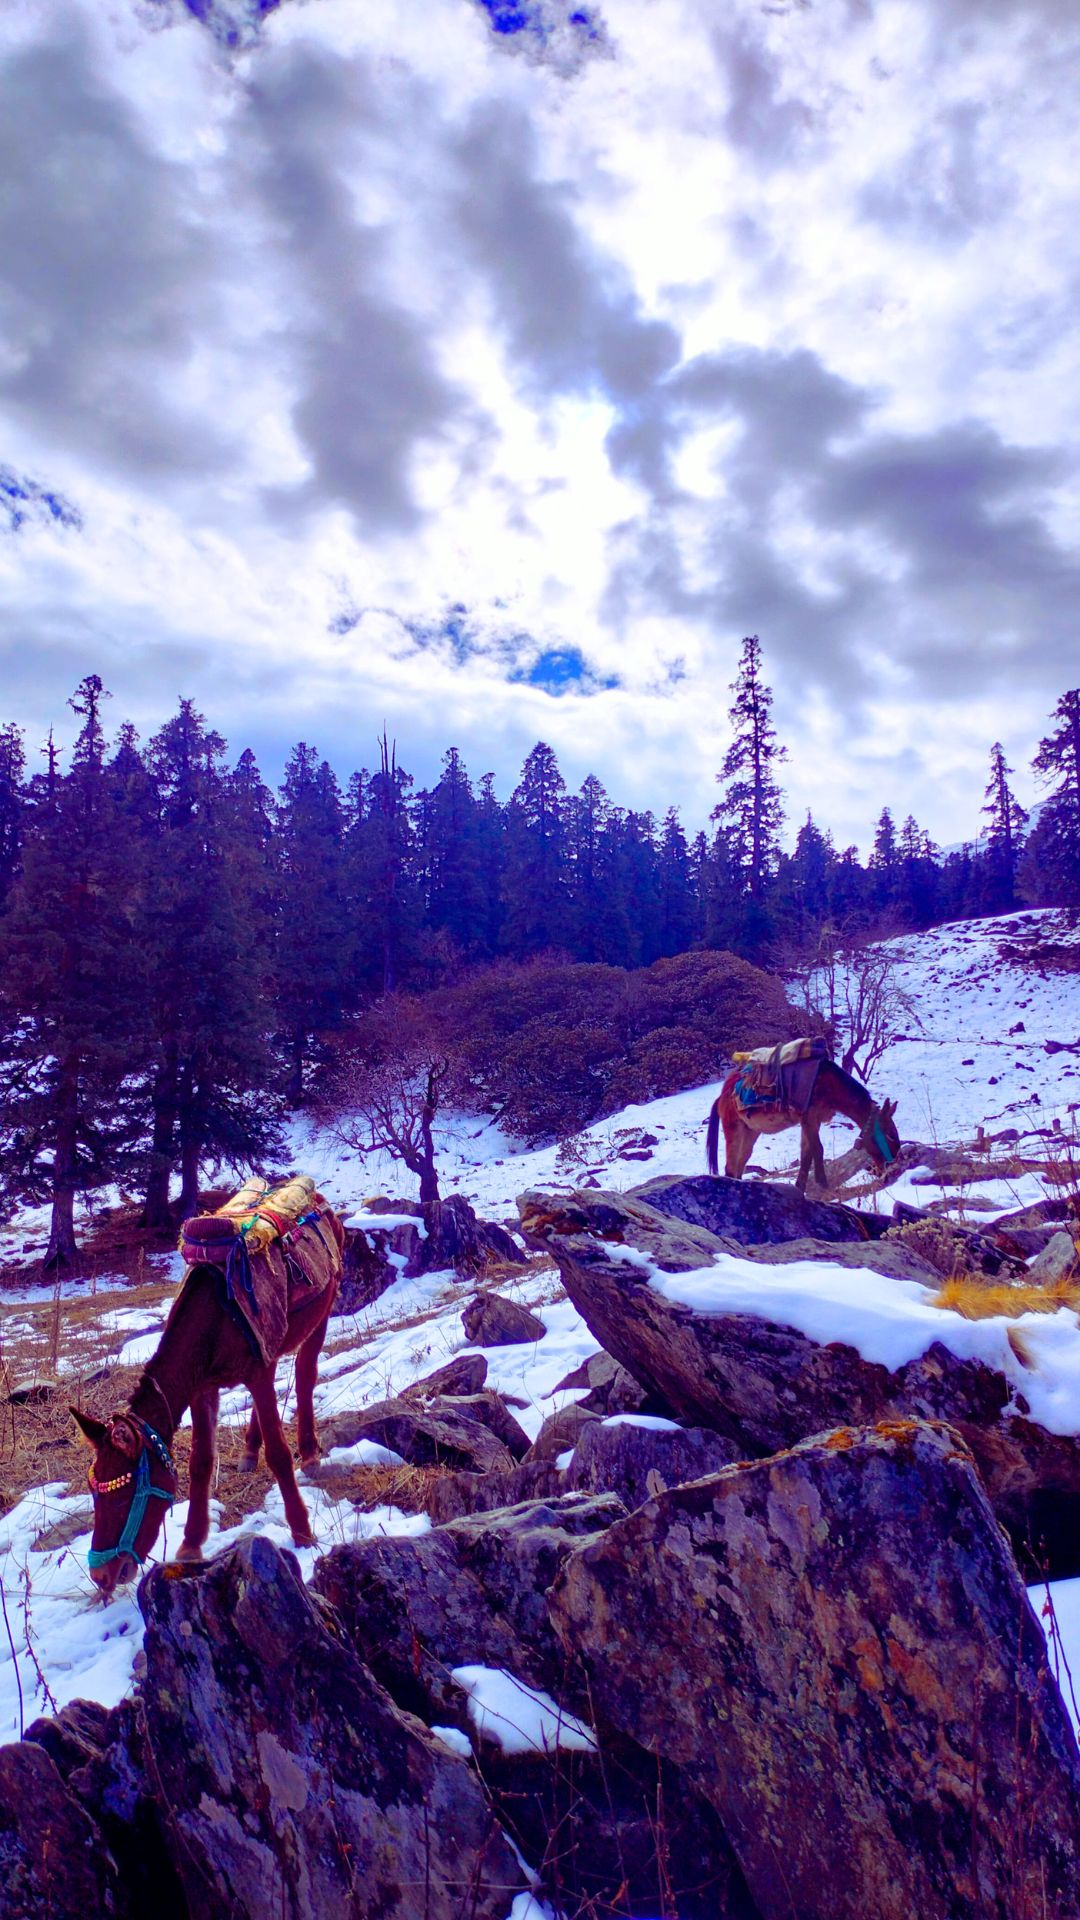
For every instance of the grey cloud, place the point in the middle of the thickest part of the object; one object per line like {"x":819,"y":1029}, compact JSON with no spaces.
{"x":952,"y":180}
{"x":368,"y":387}
{"x":106,"y":275}
{"x":760,"y":119}
{"x":930,"y":542}
{"x":571,"y":319}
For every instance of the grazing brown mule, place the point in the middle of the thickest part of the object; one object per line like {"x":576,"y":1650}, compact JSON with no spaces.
{"x":834,"y":1092}
{"x":202,"y":1349}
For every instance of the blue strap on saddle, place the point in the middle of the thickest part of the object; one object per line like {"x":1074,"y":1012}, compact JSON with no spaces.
{"x":238,"y":1267}
{"x":749,"y":1097}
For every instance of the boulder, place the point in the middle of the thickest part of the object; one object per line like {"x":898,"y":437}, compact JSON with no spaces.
{"x":755,"y":1213}
{"x":490,"y":1320}
{"x":610,"y":1388}
{"x":560,"y":1432}
{"x":294,"y":1784}
{"x":891,"y":1257}
{"x":427,"y":1434}
{"x":473,"y":1594}
{"x":99,"y":1754}
{"x":836,"y":1648}
{"x":1056,"y":1262}
{"x":492,"y":1412}
{"x":54,"y":1862}
{"x":457,"y":1238}
{"x":468,"y":1593}
{"x":465,"y":1373}
{"x":625,"y":1454}
{"x":450,"y":1495}
{"x":766,"y":1386}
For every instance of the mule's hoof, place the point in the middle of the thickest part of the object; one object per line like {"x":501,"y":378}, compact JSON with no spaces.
{"x":304,"y":1540}
{"x":309,"y":1460}
{"x":247,"y":1463}
{"x":189,"y":1555}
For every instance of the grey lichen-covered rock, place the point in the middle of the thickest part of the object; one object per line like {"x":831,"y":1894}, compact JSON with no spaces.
{"x":465,"y":1373}
{"x":98,"y":1752}
{"x":610,"y":1388}
{"x":54,"y":1862}
{"x":468,"y":1593}
{"x":754,"y":1213}
{"x":295,"y":1786}
{"x":836,"y":1647}
{"x":492,"y":1412}
{"x":766,"y":1386}
{"x":490,"y":1320}
{"x":608,"y":1831}
{"x":560,"y":1432}
{"x":449,"y":1496}
{"x":1057,"y":1261}
{"x":431,"y":1433}
{"x":625,"y":1458}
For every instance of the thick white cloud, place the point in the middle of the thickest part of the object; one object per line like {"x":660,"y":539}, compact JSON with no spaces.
{"x":626,"y":337}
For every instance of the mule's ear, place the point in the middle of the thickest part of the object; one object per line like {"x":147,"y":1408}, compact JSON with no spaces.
{"x":93,"y":1431}
{"x":888,"y":1108}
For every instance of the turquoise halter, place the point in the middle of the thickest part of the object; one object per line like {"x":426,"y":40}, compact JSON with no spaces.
{"x":144,"y":1492}
{"x":880,"y":1142}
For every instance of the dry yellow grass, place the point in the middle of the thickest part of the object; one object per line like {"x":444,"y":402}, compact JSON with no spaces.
{"x":978,"y":1301}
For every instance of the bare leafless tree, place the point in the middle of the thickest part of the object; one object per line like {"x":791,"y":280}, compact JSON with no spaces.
{"x":854,"y":987}
{"x":387,"y":1087}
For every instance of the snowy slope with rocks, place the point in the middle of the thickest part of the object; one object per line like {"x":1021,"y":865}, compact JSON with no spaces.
{"x":979,"y":1059}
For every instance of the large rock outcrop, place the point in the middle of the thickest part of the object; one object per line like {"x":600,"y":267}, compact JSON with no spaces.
{"x":609,"y":1830}
{"x":54,"y":1862}
{"x":836,"y":1647}
{"x":766,"y":1386}
{"x":294,"y":1784}
{"x":443,"y":1431}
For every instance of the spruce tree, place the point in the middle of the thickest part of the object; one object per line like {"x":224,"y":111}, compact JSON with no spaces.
{"x":1005,"y":835}
{"x":312,"y":964}
{"x":203,"y":922}
{"x":455,"y":887}
{"x":537,"y":866}
{"x":599,"y":918}
{"x":69,"y":986}
{"x":1052,"y":869}
{"x":752,"y":807}
{"x":679,"y":905}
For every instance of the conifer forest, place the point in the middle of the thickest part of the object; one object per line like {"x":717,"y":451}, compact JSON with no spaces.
{"x":182,"y":949}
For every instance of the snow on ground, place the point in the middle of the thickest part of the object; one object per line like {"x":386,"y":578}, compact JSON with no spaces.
{"x":963,"y":1068}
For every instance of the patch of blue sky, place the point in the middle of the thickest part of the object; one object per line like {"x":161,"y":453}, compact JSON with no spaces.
{"x":540,"y":19}
{"x":24,"y":502}
{"x":559,"y":670}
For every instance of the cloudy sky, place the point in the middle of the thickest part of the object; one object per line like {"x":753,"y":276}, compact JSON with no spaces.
{"x":492,"y":369}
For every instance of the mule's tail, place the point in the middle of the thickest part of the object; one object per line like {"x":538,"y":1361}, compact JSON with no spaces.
{"x":712,"y":1137}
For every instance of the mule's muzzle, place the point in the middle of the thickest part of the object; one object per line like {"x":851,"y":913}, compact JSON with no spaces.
{"x":115,"y":1573}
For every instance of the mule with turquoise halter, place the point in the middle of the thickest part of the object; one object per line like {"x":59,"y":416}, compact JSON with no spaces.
{"x":134,"y":1479}
{"x":834,"y":1091}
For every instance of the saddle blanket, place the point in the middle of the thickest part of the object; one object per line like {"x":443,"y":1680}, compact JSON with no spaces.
{"x":271,"y":1248}
{"x":781,"y":1078}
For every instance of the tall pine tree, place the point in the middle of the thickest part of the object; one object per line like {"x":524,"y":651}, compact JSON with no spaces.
{"x":68,"y":983}
{"x":1005,"y":835}
{"x":1052,"y":869}
{"x":752,"y":808}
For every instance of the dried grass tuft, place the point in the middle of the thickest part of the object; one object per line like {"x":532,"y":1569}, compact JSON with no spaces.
{"x":976,"y":1300}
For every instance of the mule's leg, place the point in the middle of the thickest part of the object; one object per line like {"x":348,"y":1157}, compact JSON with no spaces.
{"x":249,"y":1459}
{"x":805,"y":1159}
{"x":204,"y":1419}
{"x":820,"y":1174}
{"x":278,"y":1458}
{"x":737,"y":1143}
{"x":307,"y":1372}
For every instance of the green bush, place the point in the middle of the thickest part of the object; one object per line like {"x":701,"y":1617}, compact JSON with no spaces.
{"x":553,"y":1047}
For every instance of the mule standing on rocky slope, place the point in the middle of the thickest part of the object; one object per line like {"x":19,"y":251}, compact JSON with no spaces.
{"x":834,"y":1092}
{"x":203,"y":1348}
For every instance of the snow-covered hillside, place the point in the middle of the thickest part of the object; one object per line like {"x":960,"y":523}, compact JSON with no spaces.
{"x":978,"y":1059}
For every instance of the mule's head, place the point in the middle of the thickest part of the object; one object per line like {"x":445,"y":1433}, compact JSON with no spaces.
{"x":879,"y":1136}
{"x":133,"y":1480}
